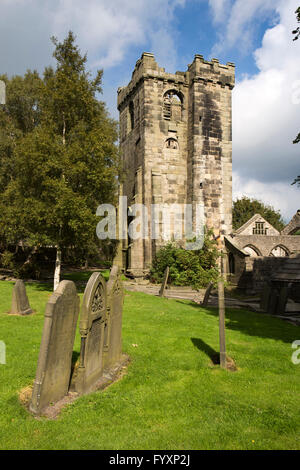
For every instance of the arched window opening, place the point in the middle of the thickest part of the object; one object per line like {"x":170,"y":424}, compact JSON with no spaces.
{"x":172,"y":106}
{"x":172,"y":144}
{"x":231,"y":262}
{"x":252,"y":251}
{"x":279,"y":252}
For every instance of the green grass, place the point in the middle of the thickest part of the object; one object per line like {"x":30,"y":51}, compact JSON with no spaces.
{"x":172,"y":396}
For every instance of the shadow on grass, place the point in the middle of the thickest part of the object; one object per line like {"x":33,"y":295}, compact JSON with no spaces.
{"x":202,"y":346}
{"x":252,"y":323}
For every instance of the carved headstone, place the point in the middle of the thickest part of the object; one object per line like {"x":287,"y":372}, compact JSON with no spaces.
{"x":113,"y":328}
{"x":2,"y":92}
{"x":55,"y":358}
{"x":91,"y":326}
{"x":207,"y":294}
{"x":20,"y":303}
{"x":165,"y":282}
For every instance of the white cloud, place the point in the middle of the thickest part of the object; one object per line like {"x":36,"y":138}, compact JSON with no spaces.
{"x":265,"y":119}
{"x":281,"y":196}
{"x":220,"y":9}
{"x":106,"y":30}
{"x":239,"y":18}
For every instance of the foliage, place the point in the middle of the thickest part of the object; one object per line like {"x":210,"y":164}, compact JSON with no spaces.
{"x":59,"y":159}
{"x":170,"y":386}
{"x":187,"y":268}
{"x":245,"y":208}
{"x":7,"y":259}
{"x":296,"y":31}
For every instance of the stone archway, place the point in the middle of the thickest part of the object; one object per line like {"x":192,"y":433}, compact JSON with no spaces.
{"x":279,"y":251}
{"x":252,"y":251}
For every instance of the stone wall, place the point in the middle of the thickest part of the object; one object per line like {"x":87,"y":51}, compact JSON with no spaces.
{"x":252,"y":272}
{"x":264,"y":244}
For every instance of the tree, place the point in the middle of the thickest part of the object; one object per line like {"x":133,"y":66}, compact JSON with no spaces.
{"x":245,"y":208}
{"x":296,"y":31}
{"x":195,"y":268}
{"x":65,"y":158}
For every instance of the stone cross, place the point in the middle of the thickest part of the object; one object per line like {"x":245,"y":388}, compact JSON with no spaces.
{"x":113,"y":330}
{"x":165,"y":282}
{"x":91,"y":326}
{"x":55,"y":357}
{"x":2,"y":92}
{"x":20,"y":303}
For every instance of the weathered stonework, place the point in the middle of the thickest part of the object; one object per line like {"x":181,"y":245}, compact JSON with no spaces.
{"x":175,"y":141}
{"x":257,"y":250}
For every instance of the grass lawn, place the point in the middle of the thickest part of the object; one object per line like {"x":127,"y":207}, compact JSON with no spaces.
{"x":172,"y":396}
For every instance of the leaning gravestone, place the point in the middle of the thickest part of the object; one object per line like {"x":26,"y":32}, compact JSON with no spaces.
{"x":91,"y":326}
{"x":20,"y":303}
{"x":165,"y":282}
{"x":55,"y":358}
{"x":113,"y":330}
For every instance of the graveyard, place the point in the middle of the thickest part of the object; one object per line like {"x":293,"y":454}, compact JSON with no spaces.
{"x":139,"y":309}
{"x":171,"y":394}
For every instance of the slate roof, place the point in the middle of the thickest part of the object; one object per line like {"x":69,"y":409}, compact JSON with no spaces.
{"x":290,"y":270}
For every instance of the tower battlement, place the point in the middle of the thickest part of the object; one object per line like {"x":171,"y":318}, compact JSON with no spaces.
{"x":146,"y":67}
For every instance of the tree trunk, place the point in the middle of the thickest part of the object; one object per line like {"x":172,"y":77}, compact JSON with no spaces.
{"x":29,"y":257}
{"x":57,"y":268}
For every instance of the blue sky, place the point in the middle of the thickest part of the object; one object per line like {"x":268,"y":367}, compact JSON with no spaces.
{"x":254,"y":34}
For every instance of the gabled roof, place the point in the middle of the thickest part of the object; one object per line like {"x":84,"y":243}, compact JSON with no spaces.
{"x":293,"y":225}
{"x":253,"y":219}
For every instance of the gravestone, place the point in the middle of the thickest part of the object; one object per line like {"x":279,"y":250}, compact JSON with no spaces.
{"x":20,"y":303}
{"x":282,"y":300}
{"x":265,"y":297}
{"x":207,"y":294}
{"x":273,"y":302}
{"x":165,"y":282}
{"x":113,"y":329}
{"x":91,"y":326}
{"x":55,"y":358}
{"x":2,"y":92}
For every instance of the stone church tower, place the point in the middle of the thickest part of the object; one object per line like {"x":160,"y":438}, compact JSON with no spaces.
{"x":176,"y":145}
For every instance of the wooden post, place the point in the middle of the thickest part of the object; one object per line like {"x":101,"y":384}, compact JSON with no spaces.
{"x":221,"y":301}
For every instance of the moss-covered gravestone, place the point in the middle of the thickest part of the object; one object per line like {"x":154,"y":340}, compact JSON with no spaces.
{"x":55,"y":358}
{"x":113,"y":329}
{"x":20,"y":303}
{"x":91,"y":326}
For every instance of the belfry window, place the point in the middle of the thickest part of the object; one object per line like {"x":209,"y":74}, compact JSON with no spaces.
{"x":172,"y":106}
{"x":131,"y":115}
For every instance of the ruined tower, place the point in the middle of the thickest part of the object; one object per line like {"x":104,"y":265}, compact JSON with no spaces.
{"x":176,"y":145}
